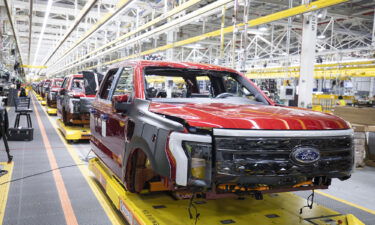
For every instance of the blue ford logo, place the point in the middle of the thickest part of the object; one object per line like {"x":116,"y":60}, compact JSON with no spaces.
{"x":305,"y":154}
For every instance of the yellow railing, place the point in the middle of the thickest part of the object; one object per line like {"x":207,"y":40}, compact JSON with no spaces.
{"x":325,"y":102}
{"x":319,"y":73}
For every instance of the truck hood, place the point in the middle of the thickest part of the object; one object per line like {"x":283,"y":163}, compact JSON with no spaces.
{"x":233,"y":116}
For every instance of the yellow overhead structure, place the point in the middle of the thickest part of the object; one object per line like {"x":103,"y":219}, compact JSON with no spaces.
{"x":322,"y":71}
{"x":34,"y":67}
{"x":325,"y":65}
{"x":313,"y":6}
{"x":326,"y":102}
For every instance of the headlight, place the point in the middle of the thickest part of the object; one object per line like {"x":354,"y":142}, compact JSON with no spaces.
{"x":200,"y":158}
{"x":74,"y":105}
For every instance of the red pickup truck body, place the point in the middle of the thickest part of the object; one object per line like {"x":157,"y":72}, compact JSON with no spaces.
{"x":209,"y":128}
{"x":72,"y":103}
{"x":52,"y":91}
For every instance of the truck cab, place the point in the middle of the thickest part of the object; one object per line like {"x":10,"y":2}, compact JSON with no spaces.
{"x":45,"y":88}
{"x":53,"y":89}
{"x":73,"y":103}
{"x":199,"y":127}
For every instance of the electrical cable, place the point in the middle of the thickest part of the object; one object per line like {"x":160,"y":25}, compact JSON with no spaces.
{"x":191,"y":204}
{"x":41,"y":173}
{"x":310,"y":202}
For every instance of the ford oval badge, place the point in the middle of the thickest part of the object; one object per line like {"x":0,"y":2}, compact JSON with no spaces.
{"x":305,"y":154}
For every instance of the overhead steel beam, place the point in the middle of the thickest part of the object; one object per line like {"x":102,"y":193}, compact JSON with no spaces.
{"x":6,"y":3}
{"x":120,"y":5}
{"x":170,"y":13}
{"x":316,"y":5}
{"x":81,"y":15}
{"x":30,"y":29}
{"x":58,"y":9}
{"x":158,"y":30}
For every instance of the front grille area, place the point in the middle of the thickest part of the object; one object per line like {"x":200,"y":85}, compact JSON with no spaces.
{"x":239,"y":156}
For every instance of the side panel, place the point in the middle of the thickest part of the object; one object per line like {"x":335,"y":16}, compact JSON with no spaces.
{"x":105,"y":128}
{"x":150,"y":134}
{"x":103,"y":137}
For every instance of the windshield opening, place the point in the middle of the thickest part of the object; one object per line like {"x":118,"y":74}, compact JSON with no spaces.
{"x":58,"y":83}
{"x":174,"y":85}
{"x":46,"y":83}
{"x":77,"y":84}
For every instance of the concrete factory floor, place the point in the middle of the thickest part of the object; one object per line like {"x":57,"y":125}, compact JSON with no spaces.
{"x":50,"y":183}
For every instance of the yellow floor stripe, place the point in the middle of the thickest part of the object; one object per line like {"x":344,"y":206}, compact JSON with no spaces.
{"x":4,"y":188}
{"x":111,"y":212}
{"x":346,"y":202}
{"x":106,"y":204}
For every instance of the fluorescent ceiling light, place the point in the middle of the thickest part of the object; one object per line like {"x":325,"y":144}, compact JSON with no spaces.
{"x":322,"y":36}
{"x":48,"y":9}
{"x":263,"y":28}
{"x":258,"y":31}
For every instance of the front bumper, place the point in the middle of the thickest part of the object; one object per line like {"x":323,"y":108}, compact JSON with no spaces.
{"x":266,"y":157}
{"x":80,"y":105}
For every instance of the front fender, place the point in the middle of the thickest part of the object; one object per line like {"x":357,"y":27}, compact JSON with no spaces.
{"x":151,"y":133}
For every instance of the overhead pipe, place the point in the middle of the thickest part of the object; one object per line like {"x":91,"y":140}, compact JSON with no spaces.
{"x":145,"y":26}
{"x":120,"y":5}
{"x":160,"y":29}
{"x":85,"y":10}
{"x":13,"y":30}
{"x":313,"y":6}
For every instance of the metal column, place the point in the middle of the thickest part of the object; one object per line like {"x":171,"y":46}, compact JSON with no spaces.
{"x":170,"y":34}
{"x":373,"y":30}
{"x":306,"y":79}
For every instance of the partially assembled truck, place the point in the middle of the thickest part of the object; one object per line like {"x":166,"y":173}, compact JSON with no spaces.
{"x":197,"y":127}
{"x":75,"y":96}
{"x":52,"y":90}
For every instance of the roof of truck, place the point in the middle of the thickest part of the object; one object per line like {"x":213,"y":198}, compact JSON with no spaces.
{"x":187,"y":65}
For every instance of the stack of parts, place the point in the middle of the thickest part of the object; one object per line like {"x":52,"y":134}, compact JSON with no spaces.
{"x":363,"y":122}
{"x":359,"y":148}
